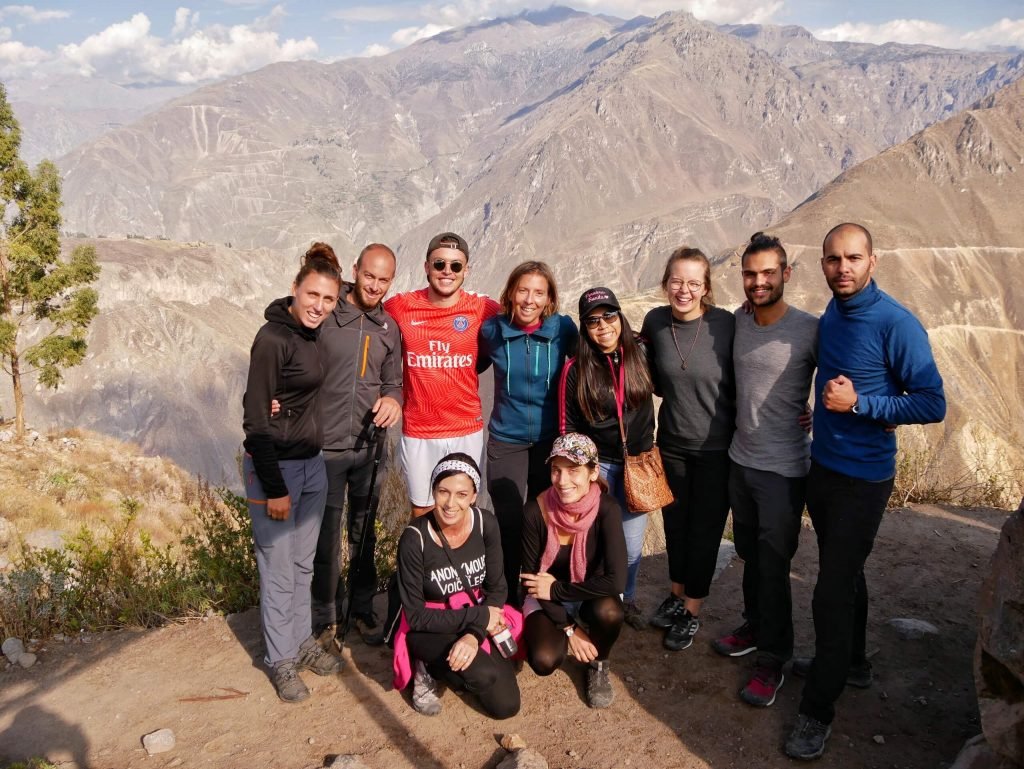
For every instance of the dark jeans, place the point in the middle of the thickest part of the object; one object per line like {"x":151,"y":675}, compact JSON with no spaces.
{"x":516,"y":472}
{"x":491,"y":677}
{"x":695,"y":520}
{"x":766,"y":509}
{"x":846,"y":513}
{"x":547,"y":644}
{"x":348,"y":474}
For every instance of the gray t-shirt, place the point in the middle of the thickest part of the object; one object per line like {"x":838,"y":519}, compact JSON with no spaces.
{"x":774,"y":366}
{"x":698,"y":409}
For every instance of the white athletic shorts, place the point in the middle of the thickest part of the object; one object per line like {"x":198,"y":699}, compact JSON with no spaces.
{"x":419,"y":457}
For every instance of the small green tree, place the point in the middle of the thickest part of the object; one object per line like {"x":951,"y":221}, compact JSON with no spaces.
{"x":46,"y":303}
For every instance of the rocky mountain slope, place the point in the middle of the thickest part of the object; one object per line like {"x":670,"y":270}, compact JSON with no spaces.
{"x":560,"y":134}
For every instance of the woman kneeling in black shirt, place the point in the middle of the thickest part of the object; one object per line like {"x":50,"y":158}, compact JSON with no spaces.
{"x":453,"y":549}
{"x":574,"y":564}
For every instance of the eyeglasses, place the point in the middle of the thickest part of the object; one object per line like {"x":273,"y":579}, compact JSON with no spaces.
{"x":440,"y":264}
{"x":593,"y":321}
{"x":693,"y":286}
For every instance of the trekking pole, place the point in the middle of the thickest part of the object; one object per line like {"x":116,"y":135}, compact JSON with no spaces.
{"x":378,"y":439}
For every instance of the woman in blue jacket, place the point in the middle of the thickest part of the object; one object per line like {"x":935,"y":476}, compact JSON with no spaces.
{"x":527,"y":343}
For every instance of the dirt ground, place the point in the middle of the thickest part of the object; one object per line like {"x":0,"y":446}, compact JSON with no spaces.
{"x":87,"y":704}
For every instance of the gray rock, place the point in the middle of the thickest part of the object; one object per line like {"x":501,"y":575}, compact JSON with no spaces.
{"x":527,"y":758}
{"x":726,"y":552}
{"x":32,"y":436}
{"x":13,"y":648}
{"x":911,"y":629}
{"x":348,"y":761}
{"x":976,"y":754}
{"x":6,"y":436}
{"x":45,"y":539}
{"x":27,"y":660}
{"x":7,"y":532}
{"x":160,"y":741}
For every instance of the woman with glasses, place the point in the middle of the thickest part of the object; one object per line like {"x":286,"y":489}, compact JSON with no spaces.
{"x":527,"y":344}
{"x":609,"y":380}
{"x":691,"y":352}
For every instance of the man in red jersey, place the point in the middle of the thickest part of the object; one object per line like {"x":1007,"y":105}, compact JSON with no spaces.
{"x":439,"y":326}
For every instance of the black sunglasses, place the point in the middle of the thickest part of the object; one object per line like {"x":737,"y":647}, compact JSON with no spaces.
{"x":440,"y":264}
{"x":593,"y":321}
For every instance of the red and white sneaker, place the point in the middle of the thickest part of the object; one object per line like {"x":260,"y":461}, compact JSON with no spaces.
{"x":739,"y":642}
{"x":762,"y":687}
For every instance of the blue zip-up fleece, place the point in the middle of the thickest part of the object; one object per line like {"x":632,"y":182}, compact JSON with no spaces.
{"x":526,"y":370}
{"x":883,"y":349}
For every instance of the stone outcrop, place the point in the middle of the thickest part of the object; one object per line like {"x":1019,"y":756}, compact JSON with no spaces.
{"x":999,"y":654}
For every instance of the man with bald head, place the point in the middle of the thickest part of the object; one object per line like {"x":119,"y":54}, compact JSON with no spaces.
{"x":875,"y":370}
{"x":361,"y":350}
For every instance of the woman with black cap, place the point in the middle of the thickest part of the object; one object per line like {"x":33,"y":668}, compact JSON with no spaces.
{"x":607,"y":382}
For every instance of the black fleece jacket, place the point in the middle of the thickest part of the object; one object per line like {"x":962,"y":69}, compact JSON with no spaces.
{"x":284,"y":364}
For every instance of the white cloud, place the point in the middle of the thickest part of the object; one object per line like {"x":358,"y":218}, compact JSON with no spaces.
{"x":376,"y":49}
{"x":128,"y":52}
{"x":409,"y":35}
{"x":31,"y":14}
{"x":16,"y":58}
{"x":1002,"y":34}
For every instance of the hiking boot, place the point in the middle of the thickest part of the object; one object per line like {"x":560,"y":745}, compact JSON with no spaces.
{"x":369,"y":627}
{"x":762,"y":687}
{"x":680,"y":635}
{"x":859,"y":675}
{"x":668,"y":612}
{"x":313,"y":658}
{"x":599,"y":685}
{"x":633,"y":616}
{"x":739,"y":642}
{"x":425,"y":699}
{"x":807,"y":740}
{"x":286,"y":681}
{"x":325,"y":636}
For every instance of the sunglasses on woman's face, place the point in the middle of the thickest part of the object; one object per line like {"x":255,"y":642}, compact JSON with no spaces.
{"x":593,"y":321}
{"x":440,"y":264}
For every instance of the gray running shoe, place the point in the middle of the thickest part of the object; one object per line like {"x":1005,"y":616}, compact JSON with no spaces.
{"x":599,"y":685}
{"x":288,"y":684}
{"x":807,"y":740}
{"x":425,"y":698}
{"x":313,"y":658}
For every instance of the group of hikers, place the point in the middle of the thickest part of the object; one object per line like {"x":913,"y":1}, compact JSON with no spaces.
{"x":553,"y":571}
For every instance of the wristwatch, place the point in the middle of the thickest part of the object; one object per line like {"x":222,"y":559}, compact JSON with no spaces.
{"x":855,"y":406}
{"x":569,"y":630}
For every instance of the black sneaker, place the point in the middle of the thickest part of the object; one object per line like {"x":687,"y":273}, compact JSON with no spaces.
{"x":807,"y":740}
{"x":668,"y":612}
{"x":599,"y":685}
{"x":680,"y":635}
{"x":369,"y":627}
{"x":859,"y":675}
{"x":739,"y":642}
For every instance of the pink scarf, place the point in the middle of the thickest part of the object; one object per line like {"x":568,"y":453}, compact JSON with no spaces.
{"x":563,"y":518}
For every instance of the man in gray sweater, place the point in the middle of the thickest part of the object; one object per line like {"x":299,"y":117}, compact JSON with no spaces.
{"x":774,"y":357}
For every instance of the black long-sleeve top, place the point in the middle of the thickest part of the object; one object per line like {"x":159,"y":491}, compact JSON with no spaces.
{"x":606,"y":557}
{"x":425,"y":574}
{"x":285,"y":364}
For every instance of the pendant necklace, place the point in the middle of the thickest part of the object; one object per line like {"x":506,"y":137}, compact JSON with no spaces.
{"x":672,"y":326}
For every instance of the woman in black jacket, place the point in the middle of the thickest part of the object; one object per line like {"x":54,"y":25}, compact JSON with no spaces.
{"x":285,"y":482}
{"x":574,"y":568}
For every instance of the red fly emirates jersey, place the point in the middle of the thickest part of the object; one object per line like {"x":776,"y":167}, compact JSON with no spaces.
{"x":439,"y":352}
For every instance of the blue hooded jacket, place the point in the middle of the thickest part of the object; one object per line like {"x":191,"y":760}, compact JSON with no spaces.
{"x":526,"y":371}
{"x":883,"y":349}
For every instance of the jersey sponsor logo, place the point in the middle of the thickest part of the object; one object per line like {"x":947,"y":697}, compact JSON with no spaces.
{"x":416,"y":322}
{"x":460,"y":323}
{"x":439,"y":355}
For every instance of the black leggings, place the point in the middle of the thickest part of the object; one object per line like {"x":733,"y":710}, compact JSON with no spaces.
{"x":547,"y":644}
{"x":491,"y":677}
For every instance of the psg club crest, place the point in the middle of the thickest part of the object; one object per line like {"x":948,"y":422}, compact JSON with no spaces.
{"x":460,"y":323}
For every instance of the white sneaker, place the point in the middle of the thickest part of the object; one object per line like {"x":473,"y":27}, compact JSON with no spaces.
{"x":425,"y":699}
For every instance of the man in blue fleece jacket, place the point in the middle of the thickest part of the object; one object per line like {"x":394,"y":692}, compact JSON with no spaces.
{"x":875,"y":369}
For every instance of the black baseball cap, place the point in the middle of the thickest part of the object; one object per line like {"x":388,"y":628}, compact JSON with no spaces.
{"x":448,"y":240}
{"x":597,"y":297}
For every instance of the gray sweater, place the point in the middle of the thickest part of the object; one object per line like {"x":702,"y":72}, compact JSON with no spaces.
{"x":774,"y":366}
{"x":698,"y":410}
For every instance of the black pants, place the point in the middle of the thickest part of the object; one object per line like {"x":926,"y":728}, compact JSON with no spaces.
{"x":515,"y":474}
{"x":846,"y":513}
{"x":766,"y":510}
{"x":547,"y":644}
{"x":695,"y":520}
{"x":348,"y":474}
{"x":491,"y":677}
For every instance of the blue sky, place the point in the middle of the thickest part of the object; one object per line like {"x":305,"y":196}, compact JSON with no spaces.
{"x":143,"y":43}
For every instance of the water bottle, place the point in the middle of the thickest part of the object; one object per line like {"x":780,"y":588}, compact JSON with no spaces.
{"x":506,"y":644}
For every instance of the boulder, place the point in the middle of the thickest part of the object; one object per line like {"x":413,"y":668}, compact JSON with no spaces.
{"x":910,"y":629}
{"x":12,"y":649}
{"x":45,"y":539}
{"x":999,"y":653}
